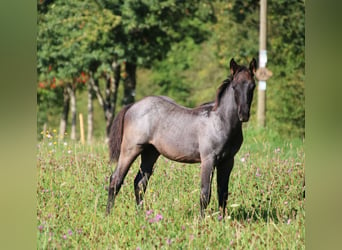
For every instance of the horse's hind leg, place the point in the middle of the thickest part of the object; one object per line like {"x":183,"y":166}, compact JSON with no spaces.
{"x":125,"y":160}
{"x":148,"y":157}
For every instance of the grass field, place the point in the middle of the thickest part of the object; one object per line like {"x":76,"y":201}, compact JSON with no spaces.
{"x":265,"y":205}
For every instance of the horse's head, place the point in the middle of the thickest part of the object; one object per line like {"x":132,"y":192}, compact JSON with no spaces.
{"x":243,"y":85}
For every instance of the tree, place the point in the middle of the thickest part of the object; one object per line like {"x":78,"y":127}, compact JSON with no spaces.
{"x":286,"y":43}
{"x":74,"y":43}
{"x":148,"y":29}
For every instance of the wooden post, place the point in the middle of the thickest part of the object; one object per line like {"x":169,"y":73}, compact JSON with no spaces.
{"x":261,"y":112}
{"x":81,"y":128}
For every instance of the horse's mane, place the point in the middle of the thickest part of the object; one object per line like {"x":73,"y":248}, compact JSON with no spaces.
{"x":224,"y":86}
{"x":221,"y":90}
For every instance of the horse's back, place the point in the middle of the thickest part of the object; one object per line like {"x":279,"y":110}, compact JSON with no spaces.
{"x":171,"y":128}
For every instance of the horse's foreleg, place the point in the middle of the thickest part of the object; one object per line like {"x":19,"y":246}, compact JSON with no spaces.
{"x":207,"y":169}
{"x":223,"y":173}
{"x":148,"y":157}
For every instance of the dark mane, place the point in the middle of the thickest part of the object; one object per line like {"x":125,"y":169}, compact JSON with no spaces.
{"x":224,"y":86}
{"x":220,"y":91}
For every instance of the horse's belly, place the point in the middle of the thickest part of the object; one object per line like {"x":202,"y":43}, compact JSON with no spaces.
{"x":178,"y":153}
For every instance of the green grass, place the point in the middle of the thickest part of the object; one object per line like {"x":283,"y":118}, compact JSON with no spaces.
{"x":265,"y":205}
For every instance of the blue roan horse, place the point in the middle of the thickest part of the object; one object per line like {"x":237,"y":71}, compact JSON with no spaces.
{"x":210,"y":134}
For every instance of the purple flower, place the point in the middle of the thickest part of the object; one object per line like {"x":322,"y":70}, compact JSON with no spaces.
{"x":258,"y":174}
{"x":158,"y":217}
{"x":40,"y":228}
{"x":70,"y":232}
{"x":149,"y":212}
{"x":220,"y":217}
{"x":64,"y":236}
{"x":168,"y":241}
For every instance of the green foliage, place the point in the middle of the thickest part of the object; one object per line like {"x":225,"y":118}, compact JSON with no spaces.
{"x":186,"y":45}
{"x":265,"y":205}
{"x":81,"y":36}
{"x":149,"y":28}
{"x":236,"y":35}
{"x":72,"y":37}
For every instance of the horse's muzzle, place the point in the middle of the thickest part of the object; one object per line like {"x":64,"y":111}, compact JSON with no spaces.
{"x":243,"y":115}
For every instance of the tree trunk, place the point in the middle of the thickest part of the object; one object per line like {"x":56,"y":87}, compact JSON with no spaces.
{"x":90,"y":114}
{"x":129,"y":83}
{"x":108,"y":104}
{"x":65,"y":113}
{"x":72,"y":93}
{"x":117,"y":77}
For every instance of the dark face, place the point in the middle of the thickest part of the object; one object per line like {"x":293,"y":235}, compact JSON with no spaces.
{"x":243,"y":85}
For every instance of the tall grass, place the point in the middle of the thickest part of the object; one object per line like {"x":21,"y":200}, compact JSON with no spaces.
{"x":265,"y":205}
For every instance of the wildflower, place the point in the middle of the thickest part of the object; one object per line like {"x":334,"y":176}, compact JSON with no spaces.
{"x":158,"y":217}
{"x":243,"y":159}
{"x":40,"y":228}
{"x":50,"y":144}
{"x":168,"y":241}
{"x":64,"y":236}
{"x":69,"y":151}
{"x":70,"y":232}
{"x":288,"y":221}
{"x":220,"y":217}
{"x":258,"y":174}
{"x":149,"y":212}
{"x":54,"y":143}
{"x":285,"y":202}
{"x":183,"y":227}
{"x":65,"y":143}
{"x":55,"y":131}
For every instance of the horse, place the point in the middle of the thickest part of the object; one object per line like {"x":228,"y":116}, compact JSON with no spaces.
{"x":210,"y":134}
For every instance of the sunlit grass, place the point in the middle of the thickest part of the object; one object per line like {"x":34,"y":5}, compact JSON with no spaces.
{"x":265,"y":206}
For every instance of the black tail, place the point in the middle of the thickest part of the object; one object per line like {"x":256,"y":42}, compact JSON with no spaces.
{"x":116,"y":133}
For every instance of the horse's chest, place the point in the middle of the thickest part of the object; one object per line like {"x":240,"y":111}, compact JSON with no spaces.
{"x":230,"y":147}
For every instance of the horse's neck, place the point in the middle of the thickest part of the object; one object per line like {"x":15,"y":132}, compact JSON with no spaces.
{"x":227,"y":110}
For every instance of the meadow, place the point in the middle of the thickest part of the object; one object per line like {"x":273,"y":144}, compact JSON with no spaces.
{"x":265,"y":204}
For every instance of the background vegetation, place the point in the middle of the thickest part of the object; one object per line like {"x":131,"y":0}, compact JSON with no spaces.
{"x":180,"y":50}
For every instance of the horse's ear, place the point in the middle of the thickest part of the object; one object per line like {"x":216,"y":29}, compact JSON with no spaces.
{"x":233,"y":66}
{"x":253,"y":66}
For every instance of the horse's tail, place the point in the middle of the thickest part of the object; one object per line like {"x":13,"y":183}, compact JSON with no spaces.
{"x":116,"y":134}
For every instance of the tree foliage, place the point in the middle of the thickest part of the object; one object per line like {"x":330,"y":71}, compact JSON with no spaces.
{"x":236,"y":35}
{"x":186,"y":45}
